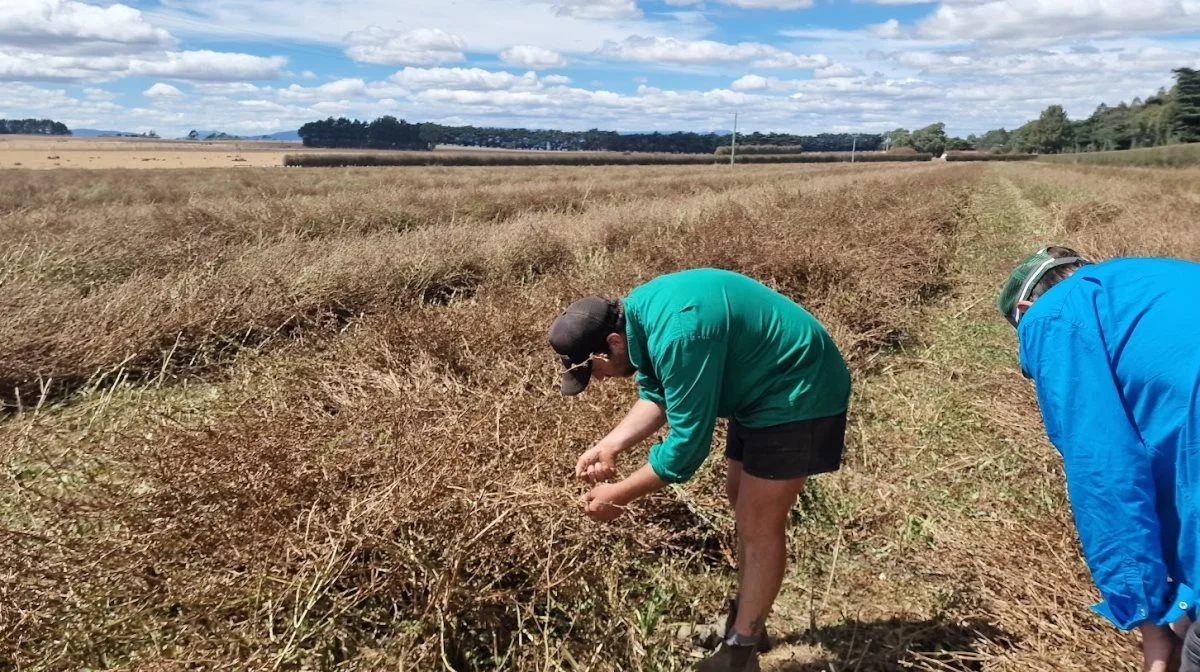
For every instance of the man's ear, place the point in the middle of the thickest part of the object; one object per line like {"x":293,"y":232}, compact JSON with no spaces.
{"x":616,"y":342}
{"x":1024,"y":305}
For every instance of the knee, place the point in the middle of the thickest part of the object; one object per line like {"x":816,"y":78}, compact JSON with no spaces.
{"x":761,"y":527}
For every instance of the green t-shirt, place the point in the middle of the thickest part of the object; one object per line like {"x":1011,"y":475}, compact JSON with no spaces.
{"x":709,"y":343}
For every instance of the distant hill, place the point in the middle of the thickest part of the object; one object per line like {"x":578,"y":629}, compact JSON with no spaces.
{"x":286,"y":136}
{"x":281,"y":136}
{"x":95,"y":133}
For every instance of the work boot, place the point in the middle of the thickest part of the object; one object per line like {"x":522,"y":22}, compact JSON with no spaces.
{"x":764,"y":640}
{"x":710,"y":635}
{"x":732,"y":656}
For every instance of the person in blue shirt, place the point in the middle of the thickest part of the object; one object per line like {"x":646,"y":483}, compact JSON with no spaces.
{"x":1113,"y":349}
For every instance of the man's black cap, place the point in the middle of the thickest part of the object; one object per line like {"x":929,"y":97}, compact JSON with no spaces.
{"x":579,"y":332}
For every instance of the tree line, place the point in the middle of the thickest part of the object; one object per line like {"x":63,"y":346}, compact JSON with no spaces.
{"x":1165,"y":118}
{"x":33,"y":127}
{"x":390,"y":133}
{"x":385,"y":132}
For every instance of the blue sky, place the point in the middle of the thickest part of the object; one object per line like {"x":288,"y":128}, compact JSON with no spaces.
{"x":804,"y":66}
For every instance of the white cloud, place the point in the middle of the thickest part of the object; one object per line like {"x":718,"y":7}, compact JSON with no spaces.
{"x":868,"y":89}
{"x":769,"y":4}
{"x":186,"y":65}
{"x":464,"y":79}
{"x":71,"y":41}
{"x":756,"y":4}
{"x":526,"y":56}
{"x":67,"y":26}
{"x":40,"y":67}
{"x":1053,"y":20}
{"x":556,"y":80}
{"x":788,"y":61}
{"x":213,"y":66}
{"x":836,"y":70}
{"x":888,"y":29}
{"x":1059,"y":63}
{"x":226,"y":88}
{"x":25,"y":100}
{"x":485,"y":25}
{"x":750,"y":83}
{"x":700,"y":52}
{"x":423,"y":46}
{"x":599,"y":9}
{"x":342,"y":88}
{"x":99,"y":94}
{"x":161,"y":90}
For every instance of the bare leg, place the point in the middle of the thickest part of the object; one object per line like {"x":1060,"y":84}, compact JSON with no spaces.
{"x":762,"y":514}
{"x":733,"y":482}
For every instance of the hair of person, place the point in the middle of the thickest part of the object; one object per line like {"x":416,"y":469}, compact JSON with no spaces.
{"x":1058,"y":273}
{"x":618,"y":326}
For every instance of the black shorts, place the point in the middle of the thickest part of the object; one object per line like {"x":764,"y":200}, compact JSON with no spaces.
{"x":792,"y":450}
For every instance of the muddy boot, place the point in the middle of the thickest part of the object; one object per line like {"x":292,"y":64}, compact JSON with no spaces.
{"x":764,"y":640}
{"x":710,"y":635}
{"x":734,"y":655}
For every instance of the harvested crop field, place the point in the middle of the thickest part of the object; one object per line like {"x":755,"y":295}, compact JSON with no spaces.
{"x":51,"y":152}
{"x":265,"y":419}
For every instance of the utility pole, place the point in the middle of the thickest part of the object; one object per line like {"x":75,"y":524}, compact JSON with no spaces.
{"x":733,"y":147}
{"x":854,"y":148}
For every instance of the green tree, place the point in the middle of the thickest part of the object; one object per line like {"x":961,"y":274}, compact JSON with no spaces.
{"x":1113,"y":127}
{"x":901,"y":137}
{"x":959,"y":145}
{"x":33,"y":127}
{"x":998,"y":139}
{"x":1052,"y":131}
{"x":1025,"y":138}
{"x":1187,"y":105}
{"x":931,"y":139}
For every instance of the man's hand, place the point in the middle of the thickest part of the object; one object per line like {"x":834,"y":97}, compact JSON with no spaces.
{"x":1160,"y":649}
{"x":599,"y":463}
{"x":604,"y":503}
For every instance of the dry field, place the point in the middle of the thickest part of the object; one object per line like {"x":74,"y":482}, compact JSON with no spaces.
{"x":264,"y":419}
{"x":27,"y":151}
{"x":46,"y":152}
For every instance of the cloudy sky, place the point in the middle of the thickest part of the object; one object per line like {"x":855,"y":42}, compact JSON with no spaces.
{"x":804,"y":66}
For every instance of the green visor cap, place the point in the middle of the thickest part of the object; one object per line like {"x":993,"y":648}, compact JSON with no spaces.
{"x":1024,"y":278}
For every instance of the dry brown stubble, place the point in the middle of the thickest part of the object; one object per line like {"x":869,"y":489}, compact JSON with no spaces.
{"x":390,"y":486}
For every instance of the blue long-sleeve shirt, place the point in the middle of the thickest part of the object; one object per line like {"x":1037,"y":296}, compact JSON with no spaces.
{"x":1114,"y":351}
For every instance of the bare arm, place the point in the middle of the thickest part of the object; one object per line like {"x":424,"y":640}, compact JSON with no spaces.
{"x":606,"y":502}
{"x":643,"y":420}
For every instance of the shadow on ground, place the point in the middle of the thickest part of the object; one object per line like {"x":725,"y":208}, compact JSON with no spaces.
{"x":896,"y":644}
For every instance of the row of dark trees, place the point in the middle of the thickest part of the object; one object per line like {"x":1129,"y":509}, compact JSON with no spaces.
{"x":33,"y":127}
{"x":1167,"y":117}
{"x":390,"y":133}
{"x":383,"y":133}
